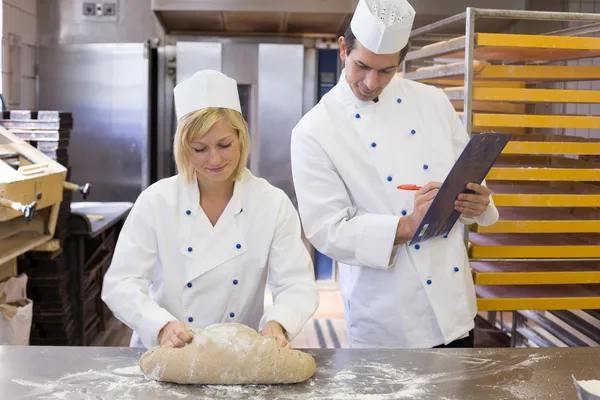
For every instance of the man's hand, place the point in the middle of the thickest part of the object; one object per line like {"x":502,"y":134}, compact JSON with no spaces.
{"x":472,"y":205}
{"x":275,"y":330}
{"x":423,"y":199}
{"x":174,"y":334}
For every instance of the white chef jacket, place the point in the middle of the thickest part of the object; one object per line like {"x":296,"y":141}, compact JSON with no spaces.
{"x":170,"y":263}
{"x":348,"y":157}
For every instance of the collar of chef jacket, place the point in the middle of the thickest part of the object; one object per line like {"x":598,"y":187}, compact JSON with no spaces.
{"x":350,"y":98}
{"x":191,"y":195}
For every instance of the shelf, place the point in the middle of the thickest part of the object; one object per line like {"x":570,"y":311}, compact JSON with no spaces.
{"x":492,"y":106}
{"x":536,"y":273}
{"x":543,"y":174}
{"x":449,"y":83}
{"x":552,"y":297}
{"x":527,"y":96}
{"x":483,"y":71}
{"x":537,"y":121}
{"x":551,"y":147}
{"x":539,"y":246}
{"x":543,"y":194}
{"x":543,"y":220}
{"x":510,"y":47}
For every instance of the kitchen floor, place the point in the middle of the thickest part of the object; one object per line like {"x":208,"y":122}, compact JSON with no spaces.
{"x":327,"y":329}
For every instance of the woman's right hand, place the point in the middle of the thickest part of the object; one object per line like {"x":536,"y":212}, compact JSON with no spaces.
{"x":174,"y":334}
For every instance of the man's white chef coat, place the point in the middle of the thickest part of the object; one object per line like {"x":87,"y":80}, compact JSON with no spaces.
{"x":348,"y":157}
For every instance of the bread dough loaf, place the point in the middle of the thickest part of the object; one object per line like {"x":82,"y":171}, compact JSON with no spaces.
{"x":227,"y":354}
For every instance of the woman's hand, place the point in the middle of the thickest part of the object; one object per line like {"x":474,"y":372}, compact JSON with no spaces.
{"x":275,"y":330}
{"x":174,"y":334}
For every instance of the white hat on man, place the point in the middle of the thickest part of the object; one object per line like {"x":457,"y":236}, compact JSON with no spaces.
{"x":383,"y":26}
{"x":206,"y":89}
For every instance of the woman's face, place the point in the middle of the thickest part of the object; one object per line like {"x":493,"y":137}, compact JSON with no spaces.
{"x":216,"y":155}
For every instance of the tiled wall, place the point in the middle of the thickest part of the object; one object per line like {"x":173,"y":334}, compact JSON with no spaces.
{"x":19,"y":41}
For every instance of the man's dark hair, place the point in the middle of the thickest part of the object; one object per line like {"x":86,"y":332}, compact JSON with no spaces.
{"x":351,"y":39}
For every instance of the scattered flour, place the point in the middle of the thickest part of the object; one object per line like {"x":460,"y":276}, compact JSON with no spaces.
{"x":361,"y":380}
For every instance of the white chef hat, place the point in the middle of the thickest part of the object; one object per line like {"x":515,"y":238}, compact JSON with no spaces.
{"x":206,"y":89}
{"x":383,"y":26}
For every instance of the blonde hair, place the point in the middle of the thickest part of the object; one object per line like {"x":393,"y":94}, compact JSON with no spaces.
{"x":194,"y":125}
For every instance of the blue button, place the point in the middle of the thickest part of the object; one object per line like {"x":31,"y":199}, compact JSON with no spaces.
{"x":241,"y":210}
{"x":190,"y":319}
{"x":455,"y":269}
{"x":189,"y":284}
{"x":188,"y":212}
{"x":446,"y":236}
{"x":232,"y":315}
{"x":413,"y":132}
{"x":417,"y":246}
{"x":357,"y":116}
{"x":429,"y":281}
{"x":404,"y":212}
{"x":190,"y":249}
{"x":235,"y":281}
{"x":399,"y":100}
{"x":238,"y":246}
{"x":389,"y":178}
{"x":373,"y":144}
{"x":425,"y":166}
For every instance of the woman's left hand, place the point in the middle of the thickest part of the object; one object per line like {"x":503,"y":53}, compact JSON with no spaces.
{"x":275,"y":330}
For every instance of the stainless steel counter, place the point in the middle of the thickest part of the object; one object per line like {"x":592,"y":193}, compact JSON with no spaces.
{"x":464,"y":374}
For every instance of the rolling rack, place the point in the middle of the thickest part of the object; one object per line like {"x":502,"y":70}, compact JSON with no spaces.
{"x":541,"y":260}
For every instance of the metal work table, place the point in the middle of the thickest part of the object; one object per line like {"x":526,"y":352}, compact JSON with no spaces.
{"x":448,"y":374}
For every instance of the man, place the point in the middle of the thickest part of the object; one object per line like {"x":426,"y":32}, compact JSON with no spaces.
{"x":371,"y":133}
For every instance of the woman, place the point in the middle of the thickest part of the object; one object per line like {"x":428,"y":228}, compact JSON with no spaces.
{"x":197,"y":248}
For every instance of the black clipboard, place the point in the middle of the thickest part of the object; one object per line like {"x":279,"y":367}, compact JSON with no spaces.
{"x":473,"y":164}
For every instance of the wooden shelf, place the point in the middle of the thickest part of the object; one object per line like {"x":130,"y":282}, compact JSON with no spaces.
{"x":543,"y":220}
{"x":536,"y":121}
{"x":543,"y":174}
{"x":543,"y":194}
{"x":484,"y":71}
{"x":553,"y":297}
{"x":536,"y":273}
{"x":529,"y":246}
{"x":510,"y":47}
{"x":550,"y":148}
{"x":492,"y":106}
{"x":526,"y":96}
{"x":451,"y":83}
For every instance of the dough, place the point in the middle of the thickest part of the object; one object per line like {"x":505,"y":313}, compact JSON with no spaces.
{"x":227,"y":354}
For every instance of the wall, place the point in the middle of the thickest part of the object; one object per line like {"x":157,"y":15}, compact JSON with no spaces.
{"x":19,"y":41}
{"x":62,"y":22}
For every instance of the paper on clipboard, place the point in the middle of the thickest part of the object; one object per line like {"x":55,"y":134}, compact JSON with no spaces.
{"x":472,"y":165}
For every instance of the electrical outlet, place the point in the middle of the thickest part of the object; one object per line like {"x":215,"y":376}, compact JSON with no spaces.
{"x":89,"y":9}
{"x":98,"y":11}
{"x":109,"y":9}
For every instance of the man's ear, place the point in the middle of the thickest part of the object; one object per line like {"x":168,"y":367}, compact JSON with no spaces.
{"x":342,"y":43}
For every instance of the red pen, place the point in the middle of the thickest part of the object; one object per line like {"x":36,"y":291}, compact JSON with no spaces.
{"x":409,"y":187}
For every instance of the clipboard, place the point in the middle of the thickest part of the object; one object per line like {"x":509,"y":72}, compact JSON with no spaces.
{"x":473,"y":164}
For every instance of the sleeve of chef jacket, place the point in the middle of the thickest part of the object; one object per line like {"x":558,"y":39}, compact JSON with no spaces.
{"x":330,"y":219}
{"x":291,"y":276}
{"x":125,"y":288}
{"x":460,"y":138}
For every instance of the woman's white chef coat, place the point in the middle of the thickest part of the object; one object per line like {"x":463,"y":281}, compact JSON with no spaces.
{"x":170,"y":263}
{"x":348,"y":157}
